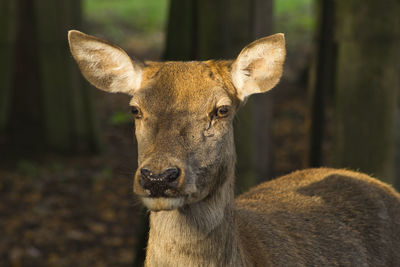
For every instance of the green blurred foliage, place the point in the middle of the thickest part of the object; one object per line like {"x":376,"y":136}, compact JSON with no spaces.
{"x":296,"y":14}
{"x":118,"y":16}
{"x":120,"y":118}
{"x":296,"y":19}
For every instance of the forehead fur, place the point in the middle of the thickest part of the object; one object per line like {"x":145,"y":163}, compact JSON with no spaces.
{"x":186,"y":83}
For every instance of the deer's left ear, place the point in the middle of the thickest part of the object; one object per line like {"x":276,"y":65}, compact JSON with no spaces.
{"x":259,"y":65}
{"x":105,"y":65}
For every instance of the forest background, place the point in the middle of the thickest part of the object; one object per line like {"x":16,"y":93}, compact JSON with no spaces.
{"x":67,"y":151}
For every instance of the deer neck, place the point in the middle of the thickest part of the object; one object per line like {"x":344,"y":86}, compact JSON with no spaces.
{"x":201,"y":234}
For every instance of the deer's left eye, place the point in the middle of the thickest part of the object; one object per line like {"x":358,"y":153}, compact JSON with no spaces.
{"x":136,"y":112}
{"x":222,"y":111}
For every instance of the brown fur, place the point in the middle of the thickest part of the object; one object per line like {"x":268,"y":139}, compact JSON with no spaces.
{"x":315,"y":217}
{"x":323,"y":217}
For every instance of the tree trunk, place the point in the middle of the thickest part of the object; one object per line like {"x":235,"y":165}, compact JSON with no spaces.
{"x":367,"y":84}
{"x":181,"y":40}
{"x":49,"y":99}
{"x":24,"y":97}
{"x":397,"y":144}
{"x":322,"y":78}
{"x":67,"y":104}
{"x":262,"y":19}
{"x":8,"y":16}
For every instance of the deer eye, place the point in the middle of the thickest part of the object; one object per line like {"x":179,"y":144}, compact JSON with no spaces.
{"x":222,"y":111}
{"x":136,"y":112}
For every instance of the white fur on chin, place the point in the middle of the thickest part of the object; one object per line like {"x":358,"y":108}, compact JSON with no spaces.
{"x":162,"y":203}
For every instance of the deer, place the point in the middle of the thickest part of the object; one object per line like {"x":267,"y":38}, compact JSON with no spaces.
{"x":183,"y":113}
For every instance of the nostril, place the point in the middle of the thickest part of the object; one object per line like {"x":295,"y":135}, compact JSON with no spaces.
{"x":171,"y":174}
{"x":145,"y":177}
{"x":146,"y":173}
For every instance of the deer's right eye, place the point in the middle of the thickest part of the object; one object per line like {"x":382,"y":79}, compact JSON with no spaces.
{"x":222,"y":111}
{"x":136,"y":112}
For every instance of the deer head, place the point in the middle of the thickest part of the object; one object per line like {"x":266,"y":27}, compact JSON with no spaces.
{"x":183,"y":112}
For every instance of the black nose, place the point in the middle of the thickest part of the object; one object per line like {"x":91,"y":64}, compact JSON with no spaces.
{"x":158,"y":183}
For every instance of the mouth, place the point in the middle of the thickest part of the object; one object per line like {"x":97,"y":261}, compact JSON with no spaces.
{"x":163,"y":203}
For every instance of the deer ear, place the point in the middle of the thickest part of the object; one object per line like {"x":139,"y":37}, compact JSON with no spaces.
{"x":259,"y":65}
{"x":105,"y":65}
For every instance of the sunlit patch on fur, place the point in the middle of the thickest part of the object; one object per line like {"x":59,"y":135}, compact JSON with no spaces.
{"x":162,"y":203}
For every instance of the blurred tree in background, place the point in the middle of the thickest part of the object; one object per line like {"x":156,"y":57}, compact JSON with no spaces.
{"x":367,"y":84}
{"x":322,"y":79}
{"x":208,"y":29}
{"x":7,"y":42}
{"x":45,"y":103}
{"x":357,"y":63}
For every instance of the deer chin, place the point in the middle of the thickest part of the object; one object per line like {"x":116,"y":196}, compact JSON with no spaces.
{"x":163,"y":203}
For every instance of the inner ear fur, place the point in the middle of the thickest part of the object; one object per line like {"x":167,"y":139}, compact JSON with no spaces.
{"x":105,"y":65}
{"x":258,"y":68}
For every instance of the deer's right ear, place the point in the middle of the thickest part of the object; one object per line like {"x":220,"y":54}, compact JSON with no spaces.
{"x":105,"y":65}
{"x":258,"y":67}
